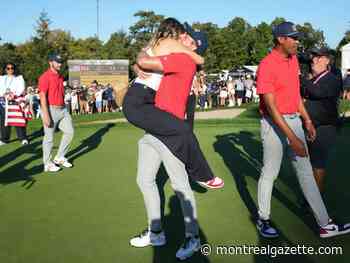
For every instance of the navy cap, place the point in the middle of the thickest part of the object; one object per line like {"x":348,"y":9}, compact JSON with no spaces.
{"x":323,"y":51}
{"x":199,"y":37}
{"x":286,"y":29}
{"x":55,"y":57}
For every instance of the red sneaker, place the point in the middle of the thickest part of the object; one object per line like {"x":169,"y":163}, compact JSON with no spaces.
{"x":214,"y":183}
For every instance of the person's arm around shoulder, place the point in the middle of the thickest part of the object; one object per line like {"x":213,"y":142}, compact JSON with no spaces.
{"x":176,"y":47}
{"x":146,"y":62}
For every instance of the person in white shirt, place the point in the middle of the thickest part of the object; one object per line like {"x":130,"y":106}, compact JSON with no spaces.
{"x":11,"y":86}
{"x":98,"y":99}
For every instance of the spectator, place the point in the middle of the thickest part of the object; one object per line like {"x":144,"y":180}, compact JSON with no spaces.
{"x":12,"y":90}
{"x":68,"y":100}
{"x":75,"y":102}
{"x":248,"y":85}
{"x":223,"y":95}
{"x":82,"y":97}
{"x":99,"y":99}
{"x":231,"y":92}
{"x":105,"y":98}
{"x":239,"y":91}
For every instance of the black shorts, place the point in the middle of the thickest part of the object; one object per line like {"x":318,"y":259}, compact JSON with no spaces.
{"x":323,"y":144}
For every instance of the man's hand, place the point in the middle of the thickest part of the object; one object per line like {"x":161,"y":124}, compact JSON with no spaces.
{"x":298,"y":147}
{"x":47,"y":121}
{"x":140,"y":73}
{"x":311,"y":131}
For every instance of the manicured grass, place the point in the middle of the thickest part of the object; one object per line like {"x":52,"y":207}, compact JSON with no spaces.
{"x":88,"y":213}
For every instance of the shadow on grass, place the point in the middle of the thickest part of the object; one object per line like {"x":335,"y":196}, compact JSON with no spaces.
{"x":90,"y":143}
{"x":18,"y":171}
{"x":247,"y":162}
{"x":173,"y":225}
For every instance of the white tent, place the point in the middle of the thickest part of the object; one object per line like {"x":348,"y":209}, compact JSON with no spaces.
{"x":345,"y":58}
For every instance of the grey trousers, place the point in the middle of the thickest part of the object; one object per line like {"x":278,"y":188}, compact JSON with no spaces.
{"x":275,"y":143}
{"x":62,"y":118}
{"x":152,"y":152}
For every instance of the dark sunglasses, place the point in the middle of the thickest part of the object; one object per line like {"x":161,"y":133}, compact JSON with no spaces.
{"x":8,"y":68}
{"x":294,"y":37}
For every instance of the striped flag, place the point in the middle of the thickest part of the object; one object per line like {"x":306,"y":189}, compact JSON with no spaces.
{"x":14,"y":113}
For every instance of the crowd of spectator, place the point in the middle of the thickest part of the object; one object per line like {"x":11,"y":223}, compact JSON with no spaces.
{"x":224,"y":92}
{"x":95,"y":98}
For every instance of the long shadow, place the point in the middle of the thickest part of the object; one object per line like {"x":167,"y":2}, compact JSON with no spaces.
{"x":18,"y":171}
{"x":247,"y":162}
{"x":90,"y":143}
{"x":173,"y":224}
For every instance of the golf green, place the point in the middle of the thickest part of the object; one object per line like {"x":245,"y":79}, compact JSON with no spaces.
{"x":88,"y":213}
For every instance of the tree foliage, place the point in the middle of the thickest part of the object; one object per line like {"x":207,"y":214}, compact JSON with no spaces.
{"x":236,"y":44}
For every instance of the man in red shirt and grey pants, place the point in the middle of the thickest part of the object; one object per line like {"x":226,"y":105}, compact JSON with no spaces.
{"x":54,"y":114}
{"x":281,"y":107}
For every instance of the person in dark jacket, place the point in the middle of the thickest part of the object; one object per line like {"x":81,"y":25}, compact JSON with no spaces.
{"x":321,"y":93}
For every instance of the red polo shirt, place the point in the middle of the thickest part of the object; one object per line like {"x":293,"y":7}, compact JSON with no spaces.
{"x":51,"y":84}
{"x":174,"y":89}
{"x":280,"y":76}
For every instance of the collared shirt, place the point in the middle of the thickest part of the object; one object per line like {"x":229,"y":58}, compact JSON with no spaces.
{"x":280,"y":76}
{"x":51,"y":83}
{"x":179,"y":70}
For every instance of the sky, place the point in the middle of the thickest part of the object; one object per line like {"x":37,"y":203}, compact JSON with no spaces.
{"x":79,"y":16}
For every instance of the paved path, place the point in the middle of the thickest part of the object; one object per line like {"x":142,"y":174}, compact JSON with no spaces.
{"x":200,"y":115}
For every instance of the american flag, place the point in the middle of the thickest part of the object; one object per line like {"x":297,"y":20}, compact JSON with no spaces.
{"x":16,"y":112}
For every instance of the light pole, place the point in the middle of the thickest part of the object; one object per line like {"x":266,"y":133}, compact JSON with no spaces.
{"x":98,"y":18}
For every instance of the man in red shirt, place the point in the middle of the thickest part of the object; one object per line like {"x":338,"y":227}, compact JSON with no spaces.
{"x":54,"y":114}
{"x":178,"y":71}
{"x":281,"y":130}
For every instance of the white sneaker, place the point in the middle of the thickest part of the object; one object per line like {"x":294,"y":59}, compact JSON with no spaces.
{"x":51,"y":167}
{"x":191,"y":245}
{"x":2,"y":143}
{"x":148,"y":238}
{"x":25,"y":142}
{"x":63,"y":161}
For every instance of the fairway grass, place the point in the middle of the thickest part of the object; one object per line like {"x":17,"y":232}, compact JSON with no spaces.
{"x":89,"y":213}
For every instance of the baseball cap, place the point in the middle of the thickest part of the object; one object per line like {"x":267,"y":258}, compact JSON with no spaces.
{"x":286,"y":29}
{"x":55,"y":57}
{"x":323,"y":51}
{"x":199,"y":37}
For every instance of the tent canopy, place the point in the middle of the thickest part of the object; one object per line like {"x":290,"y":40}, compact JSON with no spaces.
{"x":345,"y":58}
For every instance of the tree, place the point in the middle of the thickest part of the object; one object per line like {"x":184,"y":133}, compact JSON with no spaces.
{"x":259,"y":42}
{"x":312,"y":37}
{"x":117,"y":47}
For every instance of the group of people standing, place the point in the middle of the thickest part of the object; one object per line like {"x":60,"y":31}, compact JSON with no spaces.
{"x":96,"y":98}
{"x":157,"y":100}
{"x":302,"y":124}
